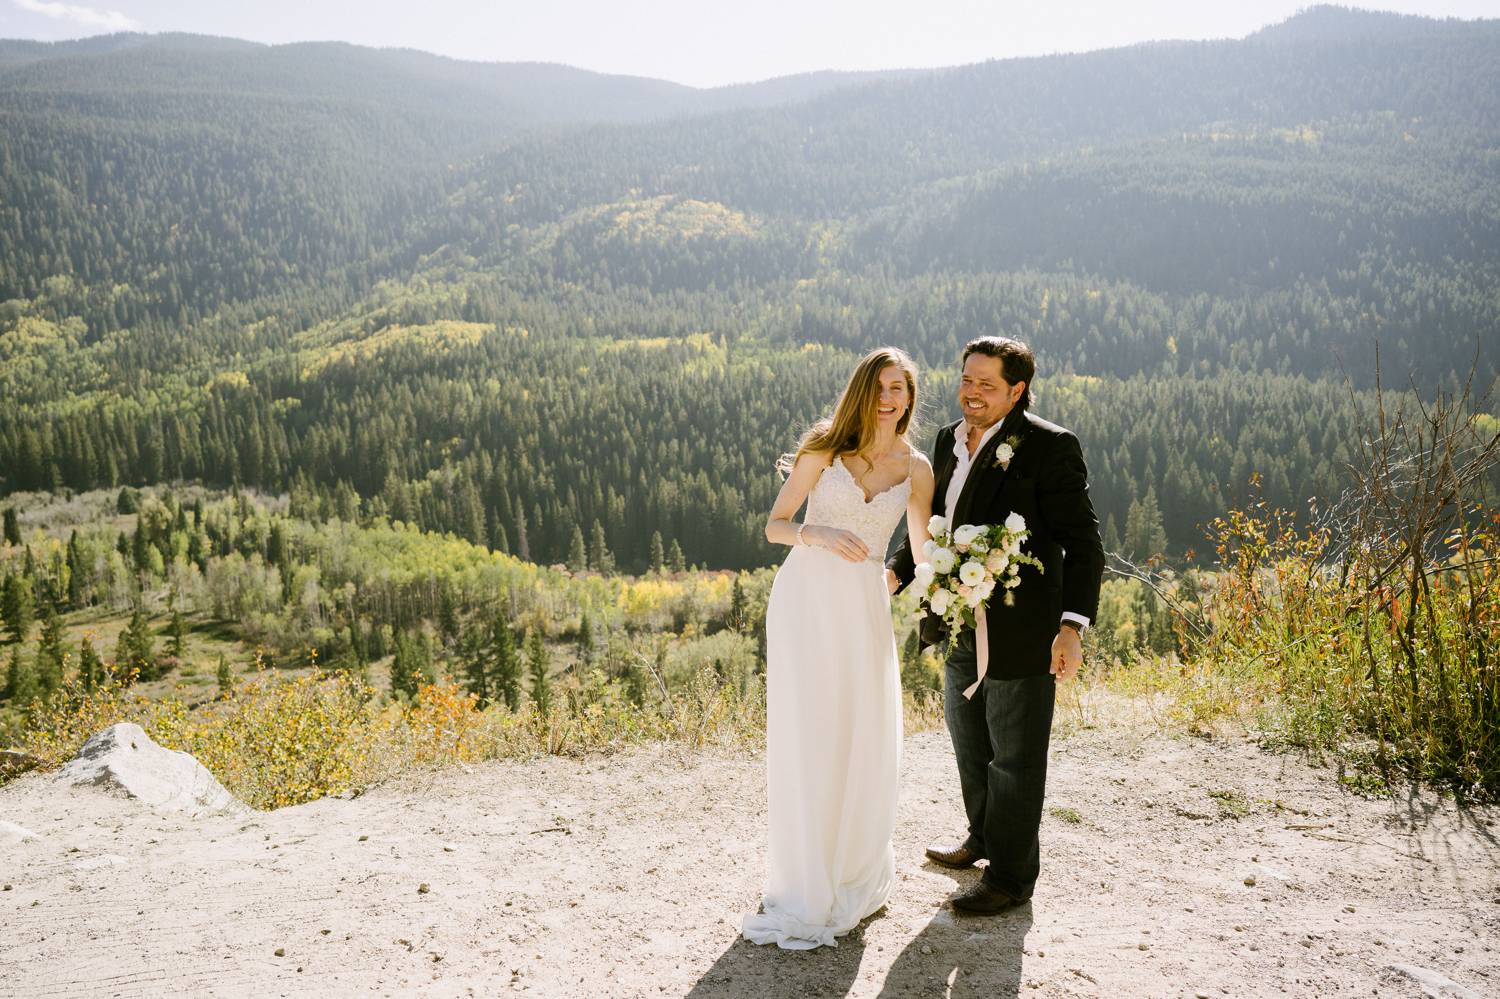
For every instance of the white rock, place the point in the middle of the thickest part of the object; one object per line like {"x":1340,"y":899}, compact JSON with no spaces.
{"x":1435,"y":985}
{"x":11,"y":834}
{"x":103,"y":860}
{"x":123,"y":757}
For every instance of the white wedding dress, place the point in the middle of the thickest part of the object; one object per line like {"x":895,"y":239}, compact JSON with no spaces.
{"x":833,"y":726}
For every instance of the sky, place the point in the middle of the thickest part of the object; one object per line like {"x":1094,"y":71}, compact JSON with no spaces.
{"x":697,"y":42}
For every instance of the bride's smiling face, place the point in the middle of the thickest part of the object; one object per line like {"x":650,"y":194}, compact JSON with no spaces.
{"x":895,"y":396}
{"x":984,"y":396}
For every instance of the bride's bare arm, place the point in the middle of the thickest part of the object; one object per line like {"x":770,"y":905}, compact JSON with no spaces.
{"x":781,"y":529}
{"x":918,"y":513}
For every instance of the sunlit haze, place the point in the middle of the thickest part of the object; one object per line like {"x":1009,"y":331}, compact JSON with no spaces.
{"x":700,"y":44}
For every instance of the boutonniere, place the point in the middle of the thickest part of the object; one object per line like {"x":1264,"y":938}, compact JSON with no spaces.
{"x":1006,"y":451}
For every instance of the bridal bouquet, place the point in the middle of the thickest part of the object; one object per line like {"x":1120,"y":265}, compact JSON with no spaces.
{"x":964,"y":567}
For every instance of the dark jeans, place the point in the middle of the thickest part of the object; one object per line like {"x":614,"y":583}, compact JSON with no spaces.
{"x":1000,"y":739}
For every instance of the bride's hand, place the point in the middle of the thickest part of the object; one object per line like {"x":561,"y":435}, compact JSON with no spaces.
{"x":842,"y":543}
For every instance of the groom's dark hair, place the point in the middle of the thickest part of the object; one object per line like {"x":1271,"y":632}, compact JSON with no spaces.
{"x":1017,"y":362}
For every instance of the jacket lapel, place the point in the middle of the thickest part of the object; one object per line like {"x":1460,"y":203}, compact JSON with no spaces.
{"x":984,"y":474}
{"x":944,"y":462}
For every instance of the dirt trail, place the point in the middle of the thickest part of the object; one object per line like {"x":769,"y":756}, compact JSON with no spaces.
{"x":1171,"y":868}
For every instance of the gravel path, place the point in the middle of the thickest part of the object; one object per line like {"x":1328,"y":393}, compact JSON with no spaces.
{"x":1170,"y":868}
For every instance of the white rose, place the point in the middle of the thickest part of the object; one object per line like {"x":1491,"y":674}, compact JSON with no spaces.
{"x":928,"y":547}
{"x":1004,"y":453}
{"x":997,"y":561}
{"x":971,"y":573}
{"x":965,"y":535}
{"x":979,"y":546}
{"x":1015,"y":523}
{"x":938,"y":524}
{"x":923,"y":574}
{"x":943,"y":560}
{"x":939,"y":602}
{"x":985,"y":588}
{"x":975,"y":598}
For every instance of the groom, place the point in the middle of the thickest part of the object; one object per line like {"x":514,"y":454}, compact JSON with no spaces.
{"x":998,"y":460}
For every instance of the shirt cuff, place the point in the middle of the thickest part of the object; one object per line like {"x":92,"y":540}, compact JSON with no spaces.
{"x":1079,"y":619}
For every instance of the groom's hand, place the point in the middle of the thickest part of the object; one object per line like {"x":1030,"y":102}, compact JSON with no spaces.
{"x":1067,"y":653}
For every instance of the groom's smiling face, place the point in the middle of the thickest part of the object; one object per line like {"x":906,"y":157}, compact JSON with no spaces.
{"x":984,"y":396}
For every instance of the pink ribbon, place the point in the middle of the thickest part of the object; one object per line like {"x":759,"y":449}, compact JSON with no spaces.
{"x":981,"y":650}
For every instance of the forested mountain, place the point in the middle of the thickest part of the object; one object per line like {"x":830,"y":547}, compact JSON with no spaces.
{"x":539,"y":307}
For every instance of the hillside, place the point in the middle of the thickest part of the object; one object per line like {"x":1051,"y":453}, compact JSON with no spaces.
{"x":1180,"y":222}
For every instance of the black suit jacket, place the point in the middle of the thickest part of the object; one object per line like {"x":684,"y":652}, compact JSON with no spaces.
{"x":1047,"y":483}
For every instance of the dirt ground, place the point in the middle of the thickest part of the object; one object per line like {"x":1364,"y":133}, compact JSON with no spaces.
{"x":1171,"y":867}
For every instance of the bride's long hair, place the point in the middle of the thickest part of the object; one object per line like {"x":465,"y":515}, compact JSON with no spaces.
{"x":851,"y":430}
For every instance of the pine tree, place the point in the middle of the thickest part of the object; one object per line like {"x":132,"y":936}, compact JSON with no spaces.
{"x":658,"y":558}
{"x":12,"y":676}
{"x":18,"y":607}
{"x":176,"y":630}
{"x":1111,"y":534}
{"x":636,"y":684}
{"x":12,"y":527}
{"x":1144,"y":534}
{"x":403,"y":669}
{"x":504,"y":664}
{"x":578,"y":557}
{"x":674,"y":558}
{"x":20,"y":680}
{"x":49,"y":654}
{"x":585,"y":642}
{"x":426,"y":672}
{"x":537,"y":664}
{"x":738,"y":607}
{"x":224,"y":677}
{"x":476,"y":669}
{"x":77,"y":573}
{"x":139,"y":547}
{"x":447,"y":615}
{"x":276,"y":545}
{"x":600,"y":559}
{"x":90,"y":666}
{"x":129,"y":501}
{"x":523,"y":544}
{"x":135,"y":649}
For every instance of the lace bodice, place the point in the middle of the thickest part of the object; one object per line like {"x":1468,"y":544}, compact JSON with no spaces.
{"x":838,"y":501}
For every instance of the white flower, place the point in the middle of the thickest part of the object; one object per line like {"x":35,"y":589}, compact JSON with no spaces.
{"x":1015,"y":523}
{"x":943,"y":560}
{"x":965,"y":535}
{"x":997,"y":562}
{"x":939,"y":602}
{"x":985,"y":588}
{"x":964,"y":591}
{"x":924,"y":573}
{"x":928,"y":547}
{"x":975,"y":597}
{"x":938,"y":524}
{"x":1013,"y":582}
{"x":979,"y":546}
{"x":1003,"y":454}
{"x":971,"y":573}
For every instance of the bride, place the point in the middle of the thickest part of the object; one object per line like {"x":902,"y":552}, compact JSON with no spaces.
{"x":833,"y":689}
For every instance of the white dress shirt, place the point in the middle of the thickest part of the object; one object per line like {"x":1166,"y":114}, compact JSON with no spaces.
{"x":961,"y":475}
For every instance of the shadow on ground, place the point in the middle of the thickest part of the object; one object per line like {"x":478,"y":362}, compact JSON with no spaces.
{"x":949,"y":956}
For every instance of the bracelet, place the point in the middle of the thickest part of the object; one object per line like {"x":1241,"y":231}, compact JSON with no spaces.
{"x":799,"y":532}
